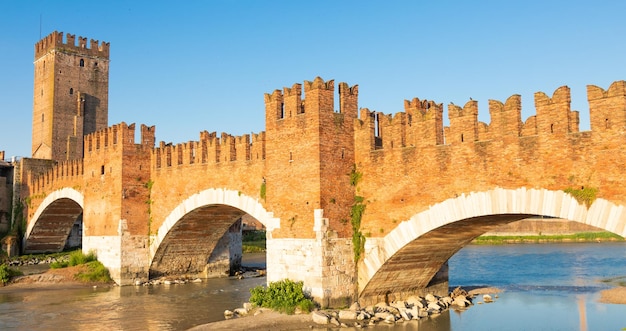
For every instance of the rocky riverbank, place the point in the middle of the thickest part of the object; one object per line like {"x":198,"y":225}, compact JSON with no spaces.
{"x":413,"y":308}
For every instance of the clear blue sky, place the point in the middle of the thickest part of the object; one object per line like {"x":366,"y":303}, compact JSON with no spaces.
{"x":205,"y":65}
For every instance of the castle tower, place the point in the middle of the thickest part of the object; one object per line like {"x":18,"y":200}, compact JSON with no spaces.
{"x":309,"y":156}
{"x":71,"y":95}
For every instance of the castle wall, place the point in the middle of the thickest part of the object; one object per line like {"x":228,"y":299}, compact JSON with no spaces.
{"x":180,"y":171}
{"x":399,"y":182}
{"x":310,"y":154}
{"x":299,"y":170}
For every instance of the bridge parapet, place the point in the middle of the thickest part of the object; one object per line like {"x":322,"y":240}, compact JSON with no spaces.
{"x":210,"y":149}
{"x":60,"y":174}
{"x":421,"y":125}
{"x":607,"y":108}
{"x":119,"y":134}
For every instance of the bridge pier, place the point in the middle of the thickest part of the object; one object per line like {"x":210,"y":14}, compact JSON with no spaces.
{"x":438,"y":286}
{"x":325,"y":264}
{"x":125,"y":255}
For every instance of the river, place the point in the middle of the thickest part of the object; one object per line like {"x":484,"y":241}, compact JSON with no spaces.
{"x":546,"y":287}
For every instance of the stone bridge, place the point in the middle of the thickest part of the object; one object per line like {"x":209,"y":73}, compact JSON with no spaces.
{"x":356,"y":203}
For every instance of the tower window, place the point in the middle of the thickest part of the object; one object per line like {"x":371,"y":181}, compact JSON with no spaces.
{"x":82,"y":62}
{"x":95,"y":64}
{"x":71,"y":90}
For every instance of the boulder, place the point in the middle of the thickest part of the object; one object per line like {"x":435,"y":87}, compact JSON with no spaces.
{"x":319,"y":317}
{"x":355,"y":306}
{"x":458,"y":292}
{"x":384,"y":316}
{"x":406,"y":315}
{"x":430,"y":298}
{"x":487,"y":298}
{"x":447,"y":301}
{"x":398,"y":304}
{"x":422,"y":313}
{"x":347,"y":315}
{"x":390,"y":319}
{"x":241,"y":311}
{"x":461,"y":301}
{"x":434,"y":306}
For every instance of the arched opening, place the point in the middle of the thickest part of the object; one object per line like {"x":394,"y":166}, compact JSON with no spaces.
{"x":422,"y":245}
{"x":58,"y":227}
{"x":82,"y":63}
{"x":204,"y":243}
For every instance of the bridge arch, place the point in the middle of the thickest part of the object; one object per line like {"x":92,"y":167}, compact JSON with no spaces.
{"x":50,"y":225}
{"x":410,"y":256}
{"x":186,"y":226}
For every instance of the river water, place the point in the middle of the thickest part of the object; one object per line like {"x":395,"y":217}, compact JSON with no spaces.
{"x":546,"y":287}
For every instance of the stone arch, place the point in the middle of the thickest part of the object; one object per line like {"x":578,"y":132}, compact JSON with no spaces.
{"x":49,"y":227}
{"x":225,"y":205}
{"x":446,"y":227}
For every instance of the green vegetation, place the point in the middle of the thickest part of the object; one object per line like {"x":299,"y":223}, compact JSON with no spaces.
{"x":263,"y":190}
{"x":253,"y":241}
{"x":615,"y":281}
{"x":148,"y":185}
{"x":283,"y":296}
{"x":586,"y":195}
{"x":76,"y":257}
{"x":355,"y":176}
{"x":577,"y":237}
{"x":6,"y":273}
{"x":96,"y":271}
{"x":358,"y":239}
{"x":18,"y":228}
{"x":356,"y":213}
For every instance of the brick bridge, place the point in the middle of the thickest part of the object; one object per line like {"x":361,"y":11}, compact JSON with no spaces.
{"x":424,"y":190}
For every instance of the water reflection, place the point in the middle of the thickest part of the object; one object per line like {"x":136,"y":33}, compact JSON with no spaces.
{"x":548,"y":286}
{"x":174,"y":307}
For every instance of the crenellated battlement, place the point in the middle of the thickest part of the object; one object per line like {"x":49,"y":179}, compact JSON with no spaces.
{"x":55,"y":41}
{"x":210,"y":149}
{"x":319,"y":84}
{"x":119,"y":134}
{"x":420,"y":124}
{"x":286,"y":105}
{"x":70,"y":170}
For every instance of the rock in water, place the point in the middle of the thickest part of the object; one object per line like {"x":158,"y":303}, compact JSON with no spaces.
{"x":487,"y":298}
{"x":347,"y":315}
{"x":319,"y":317}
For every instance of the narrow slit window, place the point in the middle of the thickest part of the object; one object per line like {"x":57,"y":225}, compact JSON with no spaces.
{"x":82,"y":62}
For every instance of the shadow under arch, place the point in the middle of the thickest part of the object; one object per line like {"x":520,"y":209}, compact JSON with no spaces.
{"x":407,"y":259}
{"x":188,"y":236}
{"x":52,"y":222}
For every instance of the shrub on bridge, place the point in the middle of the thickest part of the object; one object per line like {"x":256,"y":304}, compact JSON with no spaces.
{"x":283,"y":296}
